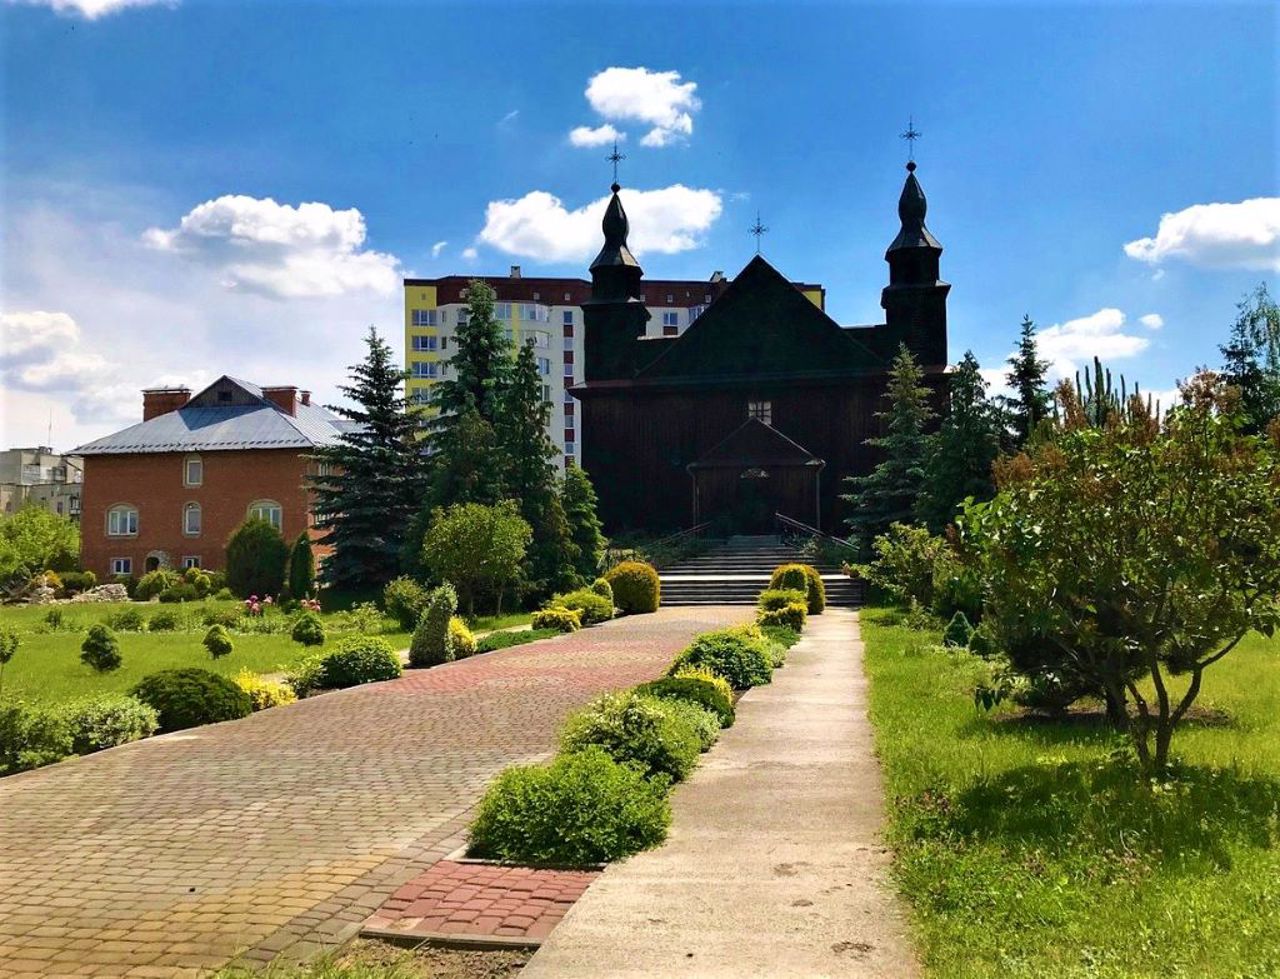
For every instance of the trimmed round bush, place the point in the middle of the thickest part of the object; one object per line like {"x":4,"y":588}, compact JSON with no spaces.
{"x":308,"y":630}
{"x":405,"y":600}
{"x":430,"y":643}
{"x":151,"y":584}
{"x":776,"y":598}
{"x":166,"y":620}
{"x":223,"y":594}
{"x":264,"y":693}
{"x":218,"y":642}
{"x":741,"y":656}
{"x":591,"y":608}
{"x":101,"y":649}
{"x":31,"y":737}
{"x":636,"y":587}
{"x":189,"y":697}
{"x":805,"y":578}
{"x":637,"y":729}
{"x":958,"y":632}
{"x":603,"y":589}
{"x":107,"y":721}
{"x":559,"y":619}
{"x":703,"y":688}
{"x":181,"y":592}
{"x":582,"y":809}
{"x":790,"y":616}
{"x":361,"y":659}
{"x":462,"y":642}
{"x":125,"y":620}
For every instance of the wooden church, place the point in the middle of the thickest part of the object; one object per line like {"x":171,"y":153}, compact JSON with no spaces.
{"x":763,"y":405}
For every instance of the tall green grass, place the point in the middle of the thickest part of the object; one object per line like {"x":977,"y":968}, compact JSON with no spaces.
{"x":1029,"y":848}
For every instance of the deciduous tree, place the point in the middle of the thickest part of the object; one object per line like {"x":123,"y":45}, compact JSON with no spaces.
{"x":1251,"y":359}
{"x":477,"y":548}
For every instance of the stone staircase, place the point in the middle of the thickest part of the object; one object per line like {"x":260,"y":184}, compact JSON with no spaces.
{"x":734,"y":572}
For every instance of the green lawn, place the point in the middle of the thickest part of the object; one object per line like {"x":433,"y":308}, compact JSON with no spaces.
{"x":47,"y":667}
{"x":1028,"y":849}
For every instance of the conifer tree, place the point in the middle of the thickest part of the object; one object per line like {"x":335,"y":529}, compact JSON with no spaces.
{"x":374,"y":486}
{"x":891,"y":492}
{"x":530,"y":479}
{"x":584,"y":525}
{"x":1251,"y":359}
{"x":961,"y":453}
{"x":1031,"y":401}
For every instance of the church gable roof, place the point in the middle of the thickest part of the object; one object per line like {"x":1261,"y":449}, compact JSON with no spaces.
{"x":753,"y":443}
{"x":762,"y":324}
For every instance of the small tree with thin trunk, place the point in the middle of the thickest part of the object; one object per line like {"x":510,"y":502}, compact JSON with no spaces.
{"x":1131,"y":558}
{"x":478,"y":548}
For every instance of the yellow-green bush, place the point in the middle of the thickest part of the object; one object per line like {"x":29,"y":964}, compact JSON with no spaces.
{"x":560,"y":619}
{"x":805,"y":578}
{"x":264,"y":693}
{"x":461,"y":641}
{"x":792,"y":615}
{"x":636,"y":586}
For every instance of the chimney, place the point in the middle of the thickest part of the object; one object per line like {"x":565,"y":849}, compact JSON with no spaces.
{"x":515,"y":271}
{"x":717,"y":276}
{"x":161,"y":401}
{"x":284,"y":398}
{"x":304,"y":397}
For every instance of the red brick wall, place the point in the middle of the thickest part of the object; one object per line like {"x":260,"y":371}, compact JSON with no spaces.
{"x":154,"y":484}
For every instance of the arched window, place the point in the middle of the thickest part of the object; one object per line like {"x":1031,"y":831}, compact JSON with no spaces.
{"x":192,"y":471}
{"x":191,"y":519}
{"x":268,"y":510}
{"x":122,"y":520}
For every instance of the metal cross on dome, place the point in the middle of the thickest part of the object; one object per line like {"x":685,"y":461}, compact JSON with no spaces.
{"x":758,"y":230}
{"x":615,"y":158}
{"x":911,"y":135}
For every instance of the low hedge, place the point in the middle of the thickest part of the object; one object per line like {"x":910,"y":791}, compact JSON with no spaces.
{"x":360,"y":659}
{"x":636,"y":587}
{"x":189,"y":697}
{"x":512,"y":637}
{"x":636,"y":729}
{"x":780,"y":634}
{"x":739,"y":655}
{"x":264,"y":693}
{"x":775,"y":598}
{"x":31,"y":737}
{"x":696,"y":687}
{"x":805,"y":578}
{"x":790,"y":616}
{"x":591,"y":607}
{"x":556,"y":619}
{"x":581,"y":809}
{"x":107,"y":721}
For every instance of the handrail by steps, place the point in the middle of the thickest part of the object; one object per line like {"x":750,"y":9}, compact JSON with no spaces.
{"x":798,"y":527}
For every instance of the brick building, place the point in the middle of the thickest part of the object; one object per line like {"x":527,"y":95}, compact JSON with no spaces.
{"x":169,"y":491}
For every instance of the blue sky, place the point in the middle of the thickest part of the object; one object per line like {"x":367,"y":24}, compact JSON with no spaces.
{"x":154,"y":154}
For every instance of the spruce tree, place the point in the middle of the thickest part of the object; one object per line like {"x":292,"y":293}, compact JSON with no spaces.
{"x":1251,"y":359}
{"x":529,"y":477}
{"x":584,"y":525}
{"x":1031,"y":401}
{"x":890,"y":493}
{"x":374,"y":484}
{"x":961,"y":453}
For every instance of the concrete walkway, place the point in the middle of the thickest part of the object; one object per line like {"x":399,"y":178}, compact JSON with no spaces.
{"x":282,"y":832}
{"x":775,"y":866}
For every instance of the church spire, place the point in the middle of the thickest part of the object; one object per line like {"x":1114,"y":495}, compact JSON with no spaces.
{"x":615,"y":273}
{"x":912,"y":208}
{"x":915,"y":301}
{"x":614,"y":317}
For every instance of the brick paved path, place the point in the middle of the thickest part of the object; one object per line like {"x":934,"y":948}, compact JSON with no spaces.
{"x":284,"y":831}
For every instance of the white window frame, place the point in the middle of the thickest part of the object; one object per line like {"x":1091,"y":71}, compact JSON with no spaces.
{"x":425,"y":317}
{"x":122,"y":565}
{"x":544,"y":366}
{"x":423,"y":344}
{"x":566,"y":317}
{"x":268,"y":510}
{"x":426,"y":368}
{"x":126,"y":513}
{"x":568,"y":370}
{"x":187,"y":463}
{"x":671,"y":318}
{"x":187,"y":510}
{"x":190,"y":561}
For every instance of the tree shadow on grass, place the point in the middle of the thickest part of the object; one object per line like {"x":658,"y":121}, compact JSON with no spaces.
{"x":1197,"y":814}
{"x":1084,"y":723}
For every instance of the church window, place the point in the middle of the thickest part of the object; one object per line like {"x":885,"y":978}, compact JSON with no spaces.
{"x":760,"y":411}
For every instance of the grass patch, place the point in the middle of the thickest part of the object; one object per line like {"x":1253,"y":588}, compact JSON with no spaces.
{"x":1033,"y":848}
{"x":47,"y":668}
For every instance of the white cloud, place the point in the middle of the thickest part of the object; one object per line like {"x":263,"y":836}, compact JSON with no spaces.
{"x":1073,"y":343}
{"x":1245,"y":235}
{"x":470,"y":254}
{"x":1152,"y":321}
{"x":658,"y":99}
{"x":539,"y":226}
{"x":600,"y":136}
{"x":997,"y":382}
{"x":509,"y":117}
{"x":279,"y":250}
{"x":92,"y":9}
{"x":437,"y":248}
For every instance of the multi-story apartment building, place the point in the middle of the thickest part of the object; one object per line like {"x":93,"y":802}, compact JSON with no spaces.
{"x":39,"y":475}
{"x":546,"y":312}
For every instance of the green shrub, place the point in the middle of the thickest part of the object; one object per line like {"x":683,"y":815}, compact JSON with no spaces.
{"x":635,"y":728}
{"x":229,"y":618}
{"x":101,"y":650}
{"x":9,"y":643}
{"x":777,"y":652}
{"x":188,"y":697}
{"x":591,"y":608}
{"x":130,"y":584}
{"x":54,"y":620}
{"x":430,"y":643}
{"x":739,"y":655}
{"x":462,"y":642}
{"x":256,"y":559}
{"x":151,"y":584}
{"x":557,"y":619}
{"x":306,"y":675}
{"x":79,"y":581}
{"x":308,"y":630}
{"x":30,"y":737}
{"x":704,"y":691}
{"x":302,"y":568}
{"x":958,"y":631}
{"x":583,"y":808}
{"x":803,"y":578}
{"x":360,"y":659}
{"x":223,"y":594}
{"x":181,"y":592}
{"x":602,"y":588}
{"x":776,"y":598}
{"x":512,"y":637}
{"x":166,"y":620}
{"x":264,"y":693}
{"x":125,"y":620}
{"x":405,"y":600}
{"x":906,"y":559}
{"x":703,"y":722}
{"x":218,"y":642}
{"x":780,"y":634}
{"x":790,"y":616}
{"x":108,"y":720}
{"x":636,"y":587}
